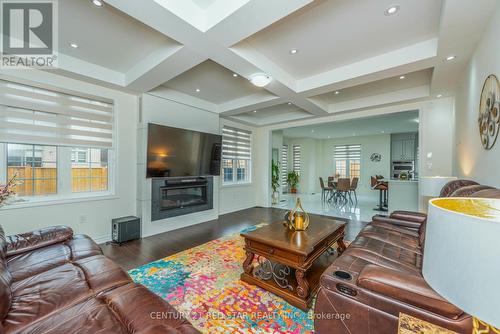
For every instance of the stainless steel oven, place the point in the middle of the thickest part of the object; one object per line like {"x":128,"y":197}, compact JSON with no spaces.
{"x":403,"y":167}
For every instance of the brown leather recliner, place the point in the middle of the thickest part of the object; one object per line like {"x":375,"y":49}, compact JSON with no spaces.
{"x":52,"y":281}
{"x":379,"y":276}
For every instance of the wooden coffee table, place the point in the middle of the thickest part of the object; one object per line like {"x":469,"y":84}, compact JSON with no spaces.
{"x":290,"y":263}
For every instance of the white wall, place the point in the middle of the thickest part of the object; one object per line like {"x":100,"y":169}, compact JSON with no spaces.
{"x":226,"y":198}
{"x":97,"y":213}
{"x":471,"y":160}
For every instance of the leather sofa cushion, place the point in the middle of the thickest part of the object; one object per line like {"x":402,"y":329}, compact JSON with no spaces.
{"x":376,"y":250}
{"x":24,"y":242}
{"x":392,"y":237}
{"x":397,"y":222}
{"x":416,"y":217}
{"x":5,"y":279}
{"x":392,"y":227}
{"x":111,"y":312}
{"x":487,"y":193}
{"x":408,"y":288}
{"x":451,"y":186}
{"x":469,"y":190}
{"x":32,"y":262}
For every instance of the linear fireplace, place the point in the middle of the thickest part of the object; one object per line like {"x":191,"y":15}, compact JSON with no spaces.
{"x":178,"y":196}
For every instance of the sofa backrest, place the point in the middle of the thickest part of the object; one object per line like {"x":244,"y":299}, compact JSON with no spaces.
{"x":5,"y":278}
{"x":452,"y":186}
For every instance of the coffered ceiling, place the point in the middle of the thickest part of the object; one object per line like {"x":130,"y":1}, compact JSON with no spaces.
{"x":202,"y":52}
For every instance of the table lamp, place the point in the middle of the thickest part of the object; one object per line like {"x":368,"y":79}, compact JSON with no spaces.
{"x":462,"y":256}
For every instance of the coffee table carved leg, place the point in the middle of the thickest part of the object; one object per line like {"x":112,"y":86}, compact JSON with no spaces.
{"x":247,"y":265}
{"x":303,"y":286}
{"x":341,"y":246}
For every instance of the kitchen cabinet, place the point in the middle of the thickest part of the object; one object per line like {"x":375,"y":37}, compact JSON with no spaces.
{"x":403,"y":147}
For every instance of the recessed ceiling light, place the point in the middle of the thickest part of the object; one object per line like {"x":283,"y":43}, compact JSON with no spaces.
{"x":289,"y":103}
{"x":382,"y":131}
{"x":391,"y":10}
{"x":260,"y":79}
{"x":198,"y":90}
{"x":312,"y":131}
{"x":98,"y":3}
{"x":337,"y":92}
{"x":450,"y":58}
{"x":293,"y":51}
{"x":439,"y":95}
{"x":73,"y":45}
{"x":329,"y":137}
{"x":235,"y":75}
{"x":402,"y":77}
{"x":255,"y":111}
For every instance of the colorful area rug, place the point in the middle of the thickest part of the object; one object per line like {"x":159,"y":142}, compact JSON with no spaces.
{"x":203,"y":284}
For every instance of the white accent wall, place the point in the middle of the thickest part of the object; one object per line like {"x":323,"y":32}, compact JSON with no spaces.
{"x":471,"y":160}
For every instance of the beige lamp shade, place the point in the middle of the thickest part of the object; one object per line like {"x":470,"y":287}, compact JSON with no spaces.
{"x":431,"y":185}
{"x":462,"y":254}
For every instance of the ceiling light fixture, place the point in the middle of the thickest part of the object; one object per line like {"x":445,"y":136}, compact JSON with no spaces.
{"x":391,"y":10}
{"x":439,"y":96}
{"x":293,"y":51}
{"x":198,"y":90}
{"x":235,"y":75}
{"x":402,"y":77}
{"x":260,"y":79}
{"x":73,"y":45}
{"x":98,"y":3}
{"x":255,"y":111}
{"x":289,"y":103}
{"x":337,"y":92}
{"x":450,"y":58}
{"x":312,"y":131}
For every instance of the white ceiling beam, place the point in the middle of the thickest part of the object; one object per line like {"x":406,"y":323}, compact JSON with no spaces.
{"x":174,"y":95}
{"x":249,"y":103}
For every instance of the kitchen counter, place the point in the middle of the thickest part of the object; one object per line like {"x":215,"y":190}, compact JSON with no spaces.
{"x":403,"y":195}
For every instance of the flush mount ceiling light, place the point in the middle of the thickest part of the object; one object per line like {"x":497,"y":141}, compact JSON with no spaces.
{"x":293,"y":51}
{"x":255,"y":111}
{"x":402,"y":77}
{"x":198,"y":90}
{"x":450,"y":58}
{"x":391,"y":10}
{"x":98,"y":3}
{"x":260,"y":79}
{"x":73,"y":45}
{"x":235,"y":75}
{"x":337,"y":92}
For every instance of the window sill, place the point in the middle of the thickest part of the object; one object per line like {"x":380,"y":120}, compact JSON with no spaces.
{"x":56,"y":200}
{"x":235,"y":185}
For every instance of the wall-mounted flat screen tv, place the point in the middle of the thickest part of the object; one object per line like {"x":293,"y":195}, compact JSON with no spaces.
{"x":174,"y":152}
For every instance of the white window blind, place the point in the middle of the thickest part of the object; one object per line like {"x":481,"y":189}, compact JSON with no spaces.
{"x":296,"y":158}
{"x":284,"y":163}
{"x":236,"y":143}
{"x":34,"y":115}
{"x":347,"y":152}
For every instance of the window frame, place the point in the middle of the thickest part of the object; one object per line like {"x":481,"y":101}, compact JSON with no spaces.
{"x":348,"y":161}
{"x":235,"y":182}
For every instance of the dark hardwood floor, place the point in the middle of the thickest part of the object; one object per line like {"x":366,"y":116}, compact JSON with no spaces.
{"x":136,"y":253}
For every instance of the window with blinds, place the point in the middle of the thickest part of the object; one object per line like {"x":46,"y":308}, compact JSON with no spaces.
{"x":347,"y":160}
{"x":284,"y":164}
{"x":45,"y":132}
{"x":33,"y":115}
{"x":236,"y":155}
{"x":296,"y":158}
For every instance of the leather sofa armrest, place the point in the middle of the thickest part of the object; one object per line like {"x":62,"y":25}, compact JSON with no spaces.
{"x":396,"y":222}
{"x":416,"y":217}
{"x":25,"y":242}
{"x":407,"y":288}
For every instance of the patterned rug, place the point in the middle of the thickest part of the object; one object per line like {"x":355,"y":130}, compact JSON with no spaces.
{"x":203,"y":283}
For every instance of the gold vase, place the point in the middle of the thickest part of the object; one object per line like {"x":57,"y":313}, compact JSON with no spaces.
{"x":298,"y":218}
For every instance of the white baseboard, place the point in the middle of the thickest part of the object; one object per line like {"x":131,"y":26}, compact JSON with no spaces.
{"x":102,"y":239}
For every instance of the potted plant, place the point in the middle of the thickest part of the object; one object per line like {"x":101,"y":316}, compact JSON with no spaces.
{"x":275,"y":181}
{"x":292,"y":180}
{"x":7,"y":190}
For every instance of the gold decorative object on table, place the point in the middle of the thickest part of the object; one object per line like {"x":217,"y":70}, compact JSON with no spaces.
{"x":411,"y":325}
{"x":489,"y":113}
{"x":297,"y":219}
{"x":480,"y":327}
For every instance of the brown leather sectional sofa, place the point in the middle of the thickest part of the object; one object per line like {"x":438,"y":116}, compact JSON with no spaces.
{"x":52,"y":281}
{"x":379,"y":276}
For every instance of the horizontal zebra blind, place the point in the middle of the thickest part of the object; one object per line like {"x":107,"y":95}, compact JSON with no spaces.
{"x":236,"y":143}
{"x":296,"y":158}
{"x":284,"y":163}
{"x":38,"y":116}
{"x":347,"y":152}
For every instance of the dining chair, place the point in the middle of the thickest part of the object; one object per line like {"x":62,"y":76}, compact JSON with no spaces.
{"x":343,"y":189}
{"x":325,"y":190}
{"x":353,"y":188}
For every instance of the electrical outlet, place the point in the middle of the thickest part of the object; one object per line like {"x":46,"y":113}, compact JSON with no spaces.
{"x":83,"y":219}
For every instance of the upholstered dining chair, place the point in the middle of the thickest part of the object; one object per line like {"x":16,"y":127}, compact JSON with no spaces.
{"x":343,"y":189}
{"x":353,"y":188}
{"x":325,"y":190}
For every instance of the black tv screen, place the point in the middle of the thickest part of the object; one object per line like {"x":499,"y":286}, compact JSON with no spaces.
{"x":176,"y":152}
